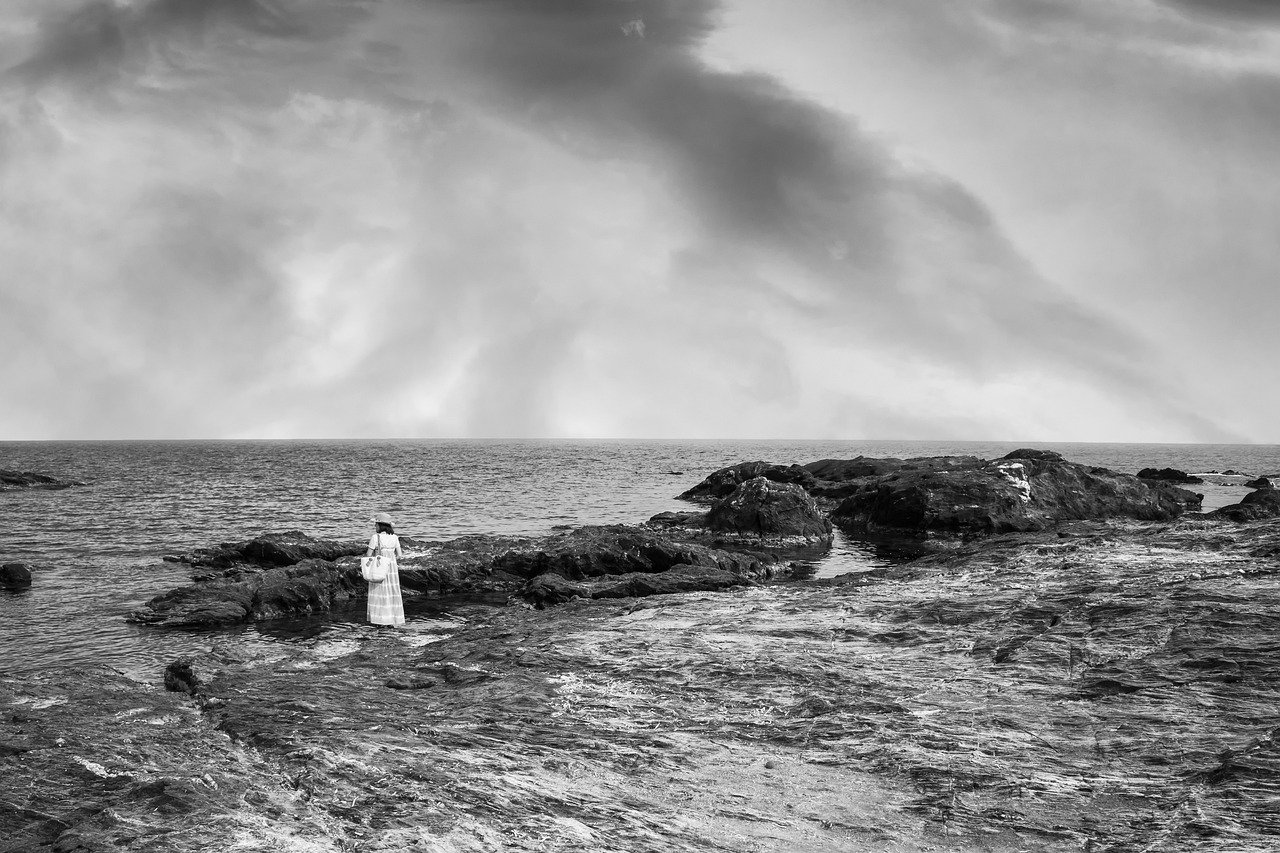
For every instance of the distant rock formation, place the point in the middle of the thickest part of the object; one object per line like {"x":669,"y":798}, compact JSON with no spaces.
{"x":1026,"y":490}
{"x":14,"y":480}
{"x":1169,"y":475}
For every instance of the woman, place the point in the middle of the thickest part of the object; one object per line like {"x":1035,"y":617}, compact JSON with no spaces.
{"x":385,"y":605}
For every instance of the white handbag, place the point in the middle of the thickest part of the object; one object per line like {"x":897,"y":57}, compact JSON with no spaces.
{"x":374,"y":569}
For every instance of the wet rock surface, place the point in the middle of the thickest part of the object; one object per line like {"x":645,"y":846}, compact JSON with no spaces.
{"x":15,"y":480}
{"x":15,"y":576}
{"x":1097,"y":687}
{"x":1260,"y":483}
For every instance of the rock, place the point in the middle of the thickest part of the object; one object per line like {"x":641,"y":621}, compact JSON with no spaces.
{"x":616,"y":550}
{"x":15,"y":576}
{"x":837,"y":479}
{"x":1260,"y":483}
{"x":308,"y":587}
{"x":765,"y":509}
{"x":180,"y":677}
{"x":677,"y":579}
{"x":1233,"y":473}
{"x":616,"y":561}
{"x":476,"y":564}
{"x":1034,"y":455}
{"x":722,"y":483}
{"x":1031,"y":491}
{"x":12,"y":480}
{"x":1257,"y":505}
{"x":551,"y":588}
{"x":679,"y":520}
{"x":1169,"y":475}
{"x":271,"y":549}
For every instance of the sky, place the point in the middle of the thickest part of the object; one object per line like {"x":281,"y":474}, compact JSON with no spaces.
{"x":1050,"y":220}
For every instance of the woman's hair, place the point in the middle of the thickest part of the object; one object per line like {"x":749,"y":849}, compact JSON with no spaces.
{"x":383,"y":527}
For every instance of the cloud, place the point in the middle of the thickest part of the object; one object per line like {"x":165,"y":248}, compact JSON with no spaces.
{"x":1253,"y":11}
{"x":499,"y":218}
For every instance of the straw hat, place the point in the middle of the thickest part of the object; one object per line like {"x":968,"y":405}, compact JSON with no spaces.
{"x":383,"y":518}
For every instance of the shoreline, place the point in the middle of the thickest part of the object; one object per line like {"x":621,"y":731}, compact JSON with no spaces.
{"x":1090,"y":683}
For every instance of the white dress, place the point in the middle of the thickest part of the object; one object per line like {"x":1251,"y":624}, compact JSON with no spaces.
{"x":386,"y":607}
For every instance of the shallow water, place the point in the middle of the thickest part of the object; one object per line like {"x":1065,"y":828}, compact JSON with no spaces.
{"x":98,"y":548}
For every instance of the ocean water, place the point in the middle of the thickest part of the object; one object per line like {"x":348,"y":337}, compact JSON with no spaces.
{"x":98,"y":549}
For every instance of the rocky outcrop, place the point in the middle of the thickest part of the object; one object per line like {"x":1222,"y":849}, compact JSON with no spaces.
{"x":13,"y":480}
{"x":15,"y":576}
{"x":722,"y":483}
{"x":1169,"y":475}
{"x":837,"y":479}
{"x":828,"y":480}
{"x":481,"y":565}
{"x":307,"y":587}
{"x":269,"y":550}
{"x":1024,"y":491}
{"x":593,"y":552}
{"x":618,"y":561}
{"x":764,"y":509}
{"x":550,"y":588}
{"x":1260,"y":483}
{"x":1257,"y":505}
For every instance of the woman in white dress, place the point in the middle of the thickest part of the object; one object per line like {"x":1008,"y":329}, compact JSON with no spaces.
{"x":385,"y":604}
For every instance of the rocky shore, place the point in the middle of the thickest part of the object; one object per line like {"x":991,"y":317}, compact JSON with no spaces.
{"x":1080,"y":661}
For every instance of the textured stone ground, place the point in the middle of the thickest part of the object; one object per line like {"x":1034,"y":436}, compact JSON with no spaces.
{"x":1113,"y":688}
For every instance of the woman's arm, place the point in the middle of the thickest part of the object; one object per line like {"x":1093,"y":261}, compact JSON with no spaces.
{"x":399,"y":550}
{"x":373,"y":543}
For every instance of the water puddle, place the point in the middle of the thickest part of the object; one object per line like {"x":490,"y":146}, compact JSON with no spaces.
{"x":853,"y":557}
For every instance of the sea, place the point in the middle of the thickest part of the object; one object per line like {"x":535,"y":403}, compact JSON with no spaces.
{"x":98,"y":549}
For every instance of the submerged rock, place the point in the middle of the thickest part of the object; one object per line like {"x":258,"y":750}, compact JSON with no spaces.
{"x":1169,"y":475}
{"x":13,"y":480}
{"x":15,"y":576}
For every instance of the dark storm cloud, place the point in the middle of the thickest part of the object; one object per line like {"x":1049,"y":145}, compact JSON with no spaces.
{"x":316,"y":194}
{"x":765,"y":167}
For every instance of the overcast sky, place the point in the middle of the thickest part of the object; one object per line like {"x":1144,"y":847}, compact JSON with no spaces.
{"x":968,"y":219}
